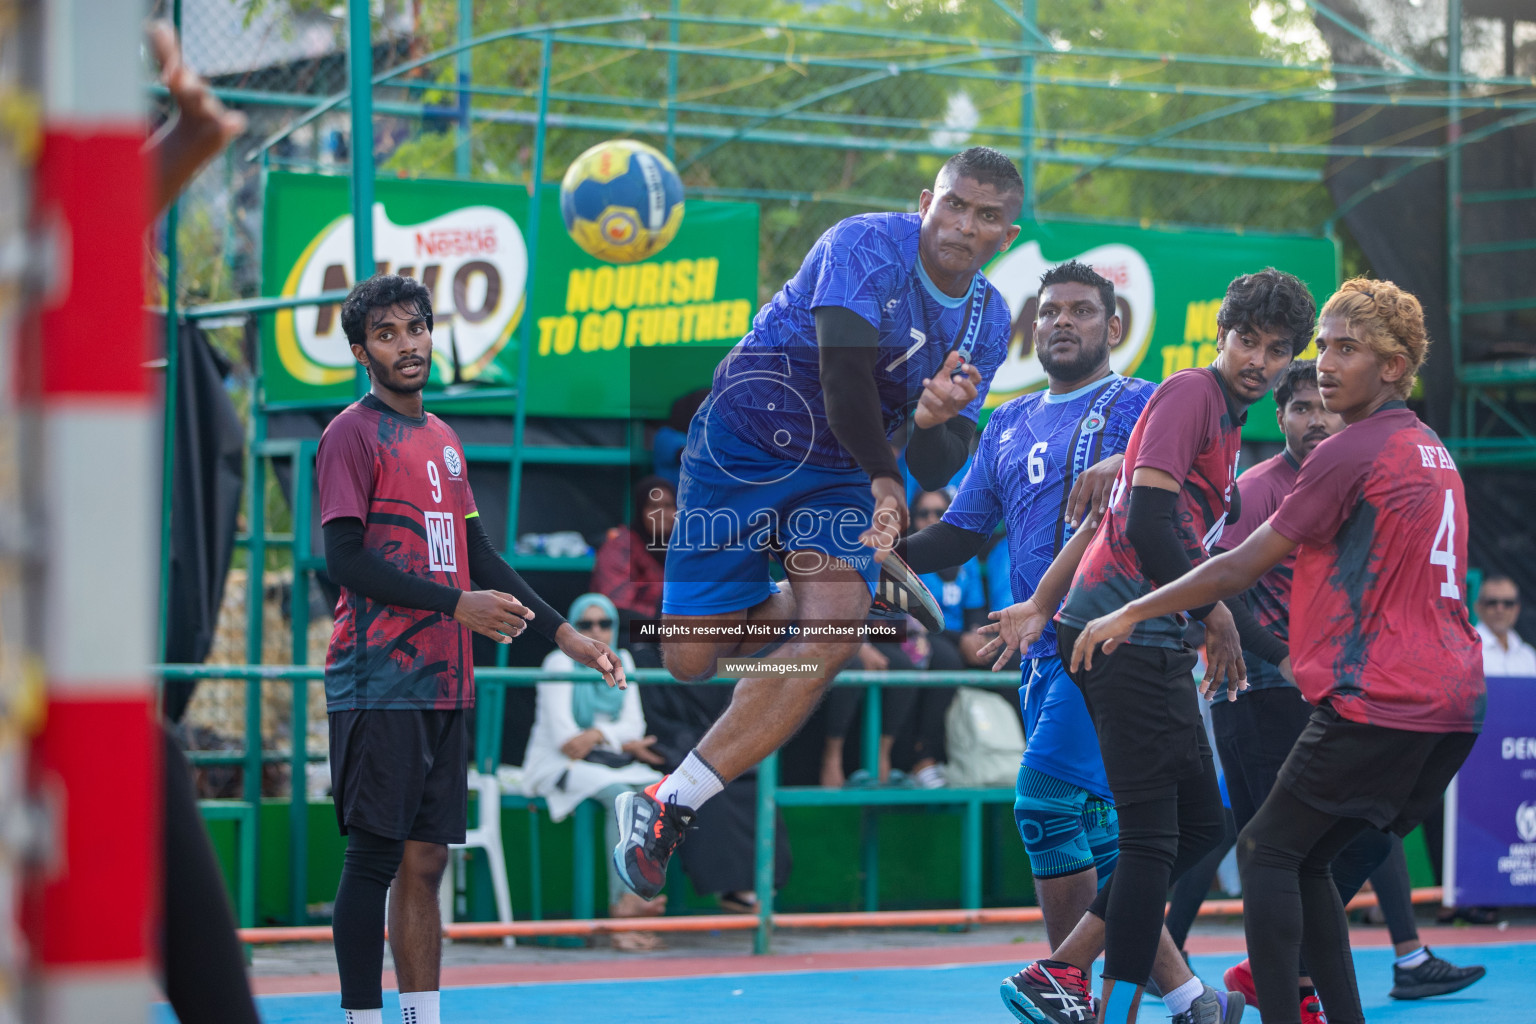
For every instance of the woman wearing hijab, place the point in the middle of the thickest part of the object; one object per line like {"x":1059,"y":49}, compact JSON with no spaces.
{"x":589,"y":743}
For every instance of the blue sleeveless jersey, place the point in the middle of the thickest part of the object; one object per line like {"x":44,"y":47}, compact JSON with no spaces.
{"x":767,"y":391}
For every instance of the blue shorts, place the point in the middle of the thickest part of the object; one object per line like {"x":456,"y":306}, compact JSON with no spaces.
{"x":1065,"y":828}
{"x":1060,"y":740}
{"x":738,"y":505}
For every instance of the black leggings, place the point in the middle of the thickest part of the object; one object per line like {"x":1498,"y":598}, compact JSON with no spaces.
{"x":1160,"y":839}
{"x":357,"y":926}
{"x":1191,"y":890}
{"x":1292,"y":907}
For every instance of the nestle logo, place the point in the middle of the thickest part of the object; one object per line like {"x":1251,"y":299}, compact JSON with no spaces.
{"x":1518,"y":748}
{"x":456,"y":242}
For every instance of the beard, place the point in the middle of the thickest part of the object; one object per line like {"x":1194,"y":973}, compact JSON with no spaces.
{"x":1089,"y":355}
{"x":391,"y":381}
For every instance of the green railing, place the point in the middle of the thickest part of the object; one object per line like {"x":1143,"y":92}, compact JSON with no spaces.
{"x":492,"y":682}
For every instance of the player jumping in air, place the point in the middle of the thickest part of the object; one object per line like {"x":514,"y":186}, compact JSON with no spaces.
{"x":404,"y":540}
{"x":888,"y":325}
{"x":1170,"y":505}
{"x":1380,"y":641}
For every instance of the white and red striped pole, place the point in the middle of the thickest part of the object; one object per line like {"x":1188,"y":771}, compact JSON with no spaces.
{"x":92,"y":904}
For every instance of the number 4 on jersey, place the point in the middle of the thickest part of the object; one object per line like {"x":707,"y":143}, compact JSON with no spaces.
{"x":1446,"y":555}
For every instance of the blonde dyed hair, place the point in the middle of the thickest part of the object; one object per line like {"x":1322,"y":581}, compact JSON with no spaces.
{"x":1387,"y":319}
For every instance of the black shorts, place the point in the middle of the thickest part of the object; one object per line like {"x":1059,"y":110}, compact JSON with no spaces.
{"x":1145,"y":708}
{"x":1390,"y":777}
{"x":401,"y":773}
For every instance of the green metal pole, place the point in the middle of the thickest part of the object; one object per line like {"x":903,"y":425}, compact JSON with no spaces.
{"x":256,"y":516}
{"x":461,"y":153}
{"x":767,"y":844}
{"x":1027,"y":107}
{"x":869,"y":826}
{"x":672,"y":27}
{"x":525,"y":342}
{"x":1453,"y":206}
{"x":360,"y":70}
{"x":298,"y":761}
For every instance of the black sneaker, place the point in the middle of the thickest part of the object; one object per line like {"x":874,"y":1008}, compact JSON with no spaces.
{"x":1213,"y":1007}
{"x":898,"y":589}
{"x":1433,"y":977}
{"x":649,"y":832}
{"x":1047,"y":992}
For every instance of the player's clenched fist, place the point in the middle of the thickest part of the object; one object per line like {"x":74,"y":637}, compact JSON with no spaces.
{"x":493,"y":614}
{"x":944,"y":395}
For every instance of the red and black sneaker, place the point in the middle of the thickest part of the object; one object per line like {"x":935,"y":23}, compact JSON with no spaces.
{"x":1239,"y":978}
{"x":1312,"y":1011}
{"x":649,"y":832}
{"x":900,"y":590}
{"x":1049,"y":992}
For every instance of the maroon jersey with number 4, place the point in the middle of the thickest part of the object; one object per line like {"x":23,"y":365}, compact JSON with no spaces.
{"x":1191,"y":429}
{"x":405,"y":479}
{"x":1379,"y":623}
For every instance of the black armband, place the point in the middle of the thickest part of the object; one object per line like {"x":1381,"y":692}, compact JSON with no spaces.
{"x":934,"y":454}
{"x":848,"y":346}
{"x":940,"y":546}
{"x":490,"y":570}
{"x":1149,"y":528}
{"x":349,"y":564}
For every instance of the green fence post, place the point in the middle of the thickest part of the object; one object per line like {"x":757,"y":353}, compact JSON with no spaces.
{"x":360,"y":81}
{"x":298,"y":760}
{"x":970,"y":856}
{"x":582,"y":864}
{"x":869,"y":830}
{"x":767,"y":845}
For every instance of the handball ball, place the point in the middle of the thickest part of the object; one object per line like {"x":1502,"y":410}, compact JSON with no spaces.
{"x":622,"y":201}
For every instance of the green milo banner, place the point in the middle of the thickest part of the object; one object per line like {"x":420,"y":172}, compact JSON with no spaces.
{"x":468,"y":243}
{"x":1168,"y":286}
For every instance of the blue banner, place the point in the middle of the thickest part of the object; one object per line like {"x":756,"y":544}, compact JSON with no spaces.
{"x":1490,"y":811}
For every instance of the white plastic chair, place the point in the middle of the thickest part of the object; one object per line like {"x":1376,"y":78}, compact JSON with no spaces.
{"x":486,"y":835}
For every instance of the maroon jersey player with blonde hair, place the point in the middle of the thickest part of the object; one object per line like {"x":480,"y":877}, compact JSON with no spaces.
{"x":1380,"y":643}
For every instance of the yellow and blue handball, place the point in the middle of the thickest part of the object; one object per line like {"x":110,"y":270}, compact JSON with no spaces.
{"x":622,"y":201}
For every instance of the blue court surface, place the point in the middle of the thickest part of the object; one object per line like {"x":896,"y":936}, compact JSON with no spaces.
{"x":932,"y":995}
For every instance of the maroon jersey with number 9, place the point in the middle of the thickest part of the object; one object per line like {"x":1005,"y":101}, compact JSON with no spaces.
{"x":406,"y":480}
{"x":1379,"y":622}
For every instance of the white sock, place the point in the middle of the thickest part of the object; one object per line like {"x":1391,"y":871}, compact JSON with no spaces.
{"x":691,"y":784}
{"x":418,"y":1007}
{"x":1413,"y":959}
{"x":1182,"y":997}
{"x":364,"y":1016}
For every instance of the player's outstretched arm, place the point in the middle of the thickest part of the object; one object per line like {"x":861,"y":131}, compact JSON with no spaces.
{"x":1224,"y":576}
{"x":198,"y":131}
{"x":486,"y":566}
{"x":1019,"y":625}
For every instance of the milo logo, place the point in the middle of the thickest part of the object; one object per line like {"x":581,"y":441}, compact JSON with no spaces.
{"x":1016,"y":274}
{"x":473,"y":260}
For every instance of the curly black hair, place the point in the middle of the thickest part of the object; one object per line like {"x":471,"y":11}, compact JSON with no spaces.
{"x":1073,"y":272}
{"x":382,"y":291}
{"x":987,"y":166}
{"x":1270,"y":300}
{"x":1302,"y":373}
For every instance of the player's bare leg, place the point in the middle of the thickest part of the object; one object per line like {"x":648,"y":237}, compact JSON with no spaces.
{"x":415,"y":923}
{"x":1064,"y":902}
{"x":764,"y":712}
{"x":692,"y":661}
